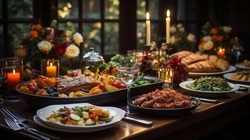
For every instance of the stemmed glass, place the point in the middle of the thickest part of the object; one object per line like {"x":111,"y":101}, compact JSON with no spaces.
{"x":128,"y":73}
{"x":237,"y":49}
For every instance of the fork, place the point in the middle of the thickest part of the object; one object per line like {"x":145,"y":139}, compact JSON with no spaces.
{"x":19,"y":120}
{"x":16,"y":127}
{"x":16,"y":116}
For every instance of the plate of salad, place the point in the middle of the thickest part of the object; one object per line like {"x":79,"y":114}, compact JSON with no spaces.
{"x":81,"y":117}
{"x":209,"y":86}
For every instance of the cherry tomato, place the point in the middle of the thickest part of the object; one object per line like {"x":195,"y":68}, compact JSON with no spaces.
{"x":117,"y":83}
{"x":123,"y":86}
{"x":32,"y":89}
{"x":74,"y":74}
{"x":30,"y":84}
{"x":101,"y":86}
{"x":42,"y":77}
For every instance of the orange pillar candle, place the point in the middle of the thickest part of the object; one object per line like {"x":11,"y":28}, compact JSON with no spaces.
{"x":221,"y":52}
{"x":51,"y":70}
{"x":13,"y":79}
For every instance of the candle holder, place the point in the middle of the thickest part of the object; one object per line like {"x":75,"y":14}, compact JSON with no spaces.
{"x":221,"y":52}
{"x":166,"y":49}
{"x":11,"y":75}
{"x":166,"y":74}
{"x":50,"y":67}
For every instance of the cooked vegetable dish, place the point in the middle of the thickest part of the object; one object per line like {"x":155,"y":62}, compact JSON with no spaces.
{"x":83,"y":116}
{"x":210,"y":83}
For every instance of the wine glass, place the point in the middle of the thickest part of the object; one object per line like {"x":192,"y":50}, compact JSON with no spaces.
{"x":128,"y":73}
{"x":237,"y":49}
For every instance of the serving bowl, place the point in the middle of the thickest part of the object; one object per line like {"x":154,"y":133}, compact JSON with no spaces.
{"x":106,"y":98}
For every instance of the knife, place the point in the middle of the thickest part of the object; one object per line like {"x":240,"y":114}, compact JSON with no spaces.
{"x":245,"y":86}
{"x":139,"y":121}
{"x":208,"y":100}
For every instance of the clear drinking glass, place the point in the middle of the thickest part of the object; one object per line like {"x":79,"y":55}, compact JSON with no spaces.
{"x":128,"y":73}
{"x":238,"y":49}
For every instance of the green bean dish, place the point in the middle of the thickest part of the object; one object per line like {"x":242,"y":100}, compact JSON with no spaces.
{"x":206,"y":83}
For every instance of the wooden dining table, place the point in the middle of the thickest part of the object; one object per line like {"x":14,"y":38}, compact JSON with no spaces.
{"x":206,"y":118}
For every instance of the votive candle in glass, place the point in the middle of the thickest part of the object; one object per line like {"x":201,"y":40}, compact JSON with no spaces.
{"x":51,"y":70}
{"x":13,"y":79}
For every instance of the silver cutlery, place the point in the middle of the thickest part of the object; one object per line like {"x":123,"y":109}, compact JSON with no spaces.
{"x":16,"y":127}
{"x":16,"y":116}
{"x":139,"y":121}
{"x":244,"y":86}
{"x":209,"y":100}
{"x":20,"y":120}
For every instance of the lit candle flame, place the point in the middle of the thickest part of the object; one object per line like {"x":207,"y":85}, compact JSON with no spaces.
{"x":147,"y":16}
{"x":168,"y":13}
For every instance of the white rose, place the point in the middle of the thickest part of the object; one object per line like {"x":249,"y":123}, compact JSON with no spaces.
{"x":44,"y":46}
{"x":227,"y":29}
{"x":172,"y":29}
{"x":68,"y":33}
{"x":181,"y":29}
{"x":172,"y":40}
{"x":179,"y":25}
{"x":77,"y":38}
{"x":191,"y":37}
{"x":72,"y":51}
{"x":207,"y":38}
{"x":208,"y":45}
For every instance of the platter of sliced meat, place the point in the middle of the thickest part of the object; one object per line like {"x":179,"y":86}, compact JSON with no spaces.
{"x":165,"y":102}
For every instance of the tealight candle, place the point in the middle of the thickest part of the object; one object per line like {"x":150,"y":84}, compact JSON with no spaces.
{"x":51,"y":70}
{"x":221,"y":52}
{"x":13,"y":79}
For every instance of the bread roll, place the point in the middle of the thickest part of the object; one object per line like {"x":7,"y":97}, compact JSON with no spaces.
{"x":203,"y":66}
{"x":222,"y":64}
{"x":213,"y":58}
{"x":192,"y":58}
{"x":196,"y":62}
{"x":205,"y":56}
{"x":181,"y":54}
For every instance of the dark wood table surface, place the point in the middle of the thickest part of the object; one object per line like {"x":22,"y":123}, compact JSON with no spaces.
{"x":206,"y":118}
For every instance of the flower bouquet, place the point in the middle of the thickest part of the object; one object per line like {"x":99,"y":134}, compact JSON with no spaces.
{"x":49,"y":43}
{"x":214,"y":38}
{"x":181,"y":71}
{"x":148,"y":64}
{"x":180,"y":39}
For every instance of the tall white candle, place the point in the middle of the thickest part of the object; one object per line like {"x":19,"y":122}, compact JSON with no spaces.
{"x":147,"y":29}
{"x":168,"y":27}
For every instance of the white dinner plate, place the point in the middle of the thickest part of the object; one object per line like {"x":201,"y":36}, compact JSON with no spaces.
{"x":208,"y":93}
{"x":240,"y":66}
{"x":46,"y":111}
{"x":42,"y":124}
{"x":230,"y":69}
{"x":228,"y":75}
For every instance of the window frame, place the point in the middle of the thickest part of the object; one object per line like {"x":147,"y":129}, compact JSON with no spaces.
{"x":127,"y":34}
